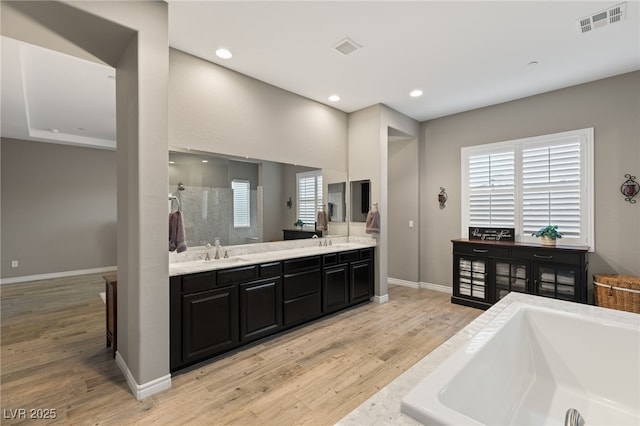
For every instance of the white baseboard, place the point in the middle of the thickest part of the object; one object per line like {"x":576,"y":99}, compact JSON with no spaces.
{"x":380,"y":299}
{"x":146,"y":389}
{"x":56,"y":275}
{"x":428,"y":286}
{"x":437,"y":287}
{"x":403,"y":283}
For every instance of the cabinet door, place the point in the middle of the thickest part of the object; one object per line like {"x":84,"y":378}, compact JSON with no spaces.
{"x":471,"y":277}
{"x":260,"y":308}
{"x":335,"y":288}
{"x":209,"y":323}
{"x":556,"y":281}
{"x":510,"y":276}
{"x":361,"y":281}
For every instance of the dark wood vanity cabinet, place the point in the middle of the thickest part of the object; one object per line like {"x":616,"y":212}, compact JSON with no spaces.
{"x":302,"y":284}
{"x":486,"y":271}
{"x":361,"y":277}
{"x":260,"y":308}
{"x":335,"y":288}
{"x":216,"y":311}
{"x":203,"y":318}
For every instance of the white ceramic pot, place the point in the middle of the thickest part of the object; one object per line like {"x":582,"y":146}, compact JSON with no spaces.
{"x":547,"y":241}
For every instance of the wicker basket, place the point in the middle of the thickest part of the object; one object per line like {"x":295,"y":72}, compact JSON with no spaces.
{"x":620,"y":292}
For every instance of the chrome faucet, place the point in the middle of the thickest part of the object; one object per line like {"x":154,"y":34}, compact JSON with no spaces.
{"x":218,"y":250}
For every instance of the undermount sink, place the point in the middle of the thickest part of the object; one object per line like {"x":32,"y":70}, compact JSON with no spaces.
{"x":223,"y":261}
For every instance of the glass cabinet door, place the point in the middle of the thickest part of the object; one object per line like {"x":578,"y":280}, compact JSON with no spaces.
{"x":556,"y":281}
{"x":473,"y":277}
{"x":510,"y":277}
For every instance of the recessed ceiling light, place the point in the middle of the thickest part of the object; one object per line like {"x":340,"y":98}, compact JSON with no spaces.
{"x":334,"y":98}
{"x":532,"y":64}
{"x":205,"y":161}
{"x":223,"y":53}
{"x":416,"y":93}
{"x":172,"y":162}
{"x":54,"y":130}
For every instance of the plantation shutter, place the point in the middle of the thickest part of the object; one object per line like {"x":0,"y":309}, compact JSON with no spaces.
{"x":309,"y":196}
{"x":491,"y":177}
{"x":241,"y":204}
{"x":551,"y":177}
{"x":531,"y":183}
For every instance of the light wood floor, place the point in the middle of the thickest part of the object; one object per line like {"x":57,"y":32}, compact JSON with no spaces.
{"x":54,"y":357}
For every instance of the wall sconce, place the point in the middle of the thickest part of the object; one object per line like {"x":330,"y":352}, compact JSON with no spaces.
{"x":289,"y":203}
{"x":630,"y":188}
{"x":442,"y":197}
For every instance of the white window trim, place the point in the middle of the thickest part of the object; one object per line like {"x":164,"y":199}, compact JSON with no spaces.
{"x":587,"y":184}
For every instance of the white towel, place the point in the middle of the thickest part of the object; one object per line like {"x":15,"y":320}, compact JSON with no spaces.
{"x":373,"y":222}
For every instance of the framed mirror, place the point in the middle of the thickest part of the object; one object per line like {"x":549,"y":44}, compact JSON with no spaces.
{"x":360,"y":200}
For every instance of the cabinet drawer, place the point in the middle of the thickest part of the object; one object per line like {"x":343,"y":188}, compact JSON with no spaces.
{"x":366,"y":253}
{"x":481,"y":250}
{"x":269,"y":269}
{"x":300,"y":284}
{"x":296,"y":265}
{"x":302,"y":309}
{"x":234,"y":275}
{"x":330,"y":259}
{"x":348,"y":256}
{"x":547,"y":255}
{"x":198,"y":282}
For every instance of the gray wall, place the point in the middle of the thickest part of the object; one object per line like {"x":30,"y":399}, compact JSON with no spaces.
{"x":274,"y":201}
{"x":403,"y":207}
{"x":611,"y":106}
{"x":58,"y":208}
{"x":214,"y":109}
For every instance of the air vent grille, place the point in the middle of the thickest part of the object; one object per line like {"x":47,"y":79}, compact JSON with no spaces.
{"x":347,"y":46}
{"x":602,"y":18}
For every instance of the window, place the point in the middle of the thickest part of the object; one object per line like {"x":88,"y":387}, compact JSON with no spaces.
{"x":530,"y":183}
{"x":241,"y":204}
{"x":309,"y":195}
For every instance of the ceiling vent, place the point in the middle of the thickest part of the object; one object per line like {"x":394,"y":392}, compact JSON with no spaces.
{"x":603,"y":18}
{"x":347,"y":46}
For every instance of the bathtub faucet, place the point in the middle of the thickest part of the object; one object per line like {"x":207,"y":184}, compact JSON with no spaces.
{"x":573,"y":418}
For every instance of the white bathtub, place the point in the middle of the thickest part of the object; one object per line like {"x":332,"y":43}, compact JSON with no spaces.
{"x":529,"y":365}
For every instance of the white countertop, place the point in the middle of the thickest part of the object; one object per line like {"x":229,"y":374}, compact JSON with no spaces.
{"x":383,"y":408}
{"x":192,"y":260}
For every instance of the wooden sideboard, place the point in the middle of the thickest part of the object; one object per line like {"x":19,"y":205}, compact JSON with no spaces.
{"x":111,"y":290}
{"x":486,"y":271}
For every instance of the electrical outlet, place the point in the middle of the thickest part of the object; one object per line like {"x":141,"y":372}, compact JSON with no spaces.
{"x":14,"y":263}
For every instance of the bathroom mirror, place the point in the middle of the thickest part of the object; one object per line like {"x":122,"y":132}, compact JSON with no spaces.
{"x":336,"y":205}
{"x":360,"y":200}
{"x":203,"y":182}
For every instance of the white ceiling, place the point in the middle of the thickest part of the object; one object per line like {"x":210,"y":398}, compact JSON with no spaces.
{"x":462,"y":55}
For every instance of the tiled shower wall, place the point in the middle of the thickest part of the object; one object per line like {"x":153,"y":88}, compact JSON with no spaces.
{"x":208,"y":215}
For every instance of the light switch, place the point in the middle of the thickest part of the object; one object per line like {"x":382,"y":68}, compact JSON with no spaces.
{"x":410,"y":224}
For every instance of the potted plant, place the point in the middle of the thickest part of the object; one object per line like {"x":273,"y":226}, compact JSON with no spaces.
{"x":549,"y":234}
{"x":298,"y":224}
